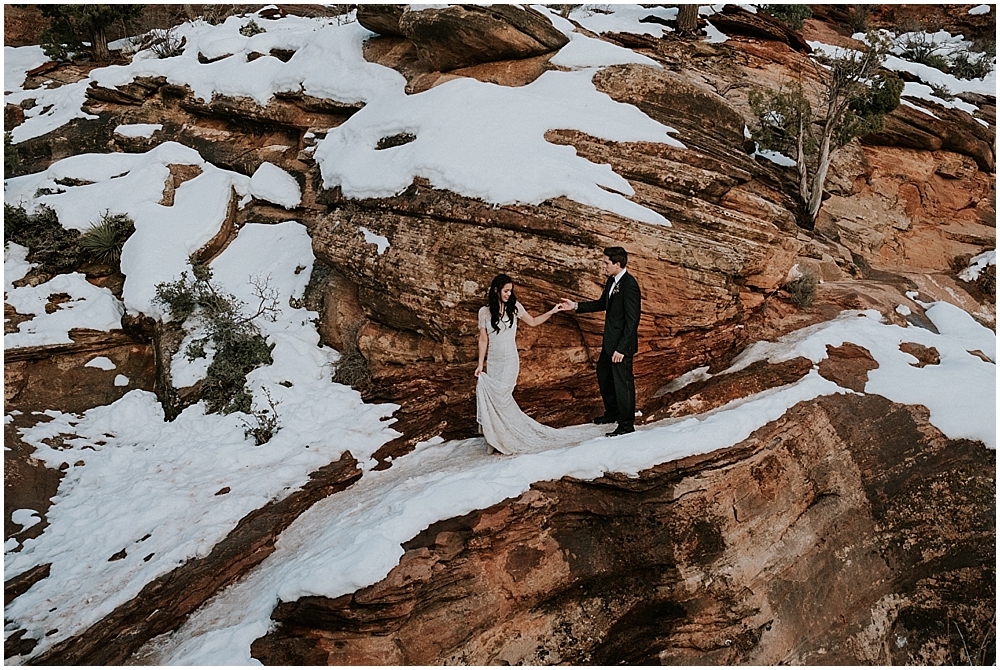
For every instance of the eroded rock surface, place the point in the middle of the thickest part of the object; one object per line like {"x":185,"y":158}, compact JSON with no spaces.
{"x":847,"y":532}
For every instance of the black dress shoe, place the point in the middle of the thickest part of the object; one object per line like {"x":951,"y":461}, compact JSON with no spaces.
{"x":621,"y":430}
{"x":601,"y":420}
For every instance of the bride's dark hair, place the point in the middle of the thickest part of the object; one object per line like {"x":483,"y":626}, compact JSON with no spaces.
{"x":493,"y":300}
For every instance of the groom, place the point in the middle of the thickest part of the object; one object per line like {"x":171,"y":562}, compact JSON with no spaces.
{"x":622,"y":303}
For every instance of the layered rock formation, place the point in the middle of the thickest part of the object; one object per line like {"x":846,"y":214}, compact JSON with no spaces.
{"x":849,"y":532}
{"x":724,"y":558}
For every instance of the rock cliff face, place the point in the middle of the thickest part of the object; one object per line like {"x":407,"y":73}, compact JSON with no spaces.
{"x":848,"y":532}
{"x":844,"y":533}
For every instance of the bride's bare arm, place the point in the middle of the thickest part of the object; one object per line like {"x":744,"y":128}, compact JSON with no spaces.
{"x":484,"y":340}
{"x":541,"y":318}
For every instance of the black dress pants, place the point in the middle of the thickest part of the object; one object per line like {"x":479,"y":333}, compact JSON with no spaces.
{"x":617,"y":389}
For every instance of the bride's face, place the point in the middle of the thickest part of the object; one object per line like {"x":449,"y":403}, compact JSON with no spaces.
{"x":505,"y":292}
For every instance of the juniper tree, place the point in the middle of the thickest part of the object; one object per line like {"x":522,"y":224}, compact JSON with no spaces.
{"x":71,"y":25}
{"x":853,"y":94}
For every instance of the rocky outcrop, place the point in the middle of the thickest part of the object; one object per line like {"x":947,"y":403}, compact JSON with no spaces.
{"x":166,"y":602}
{"x":735,"y":20}
{"x":56,"y":377}
{"x":464,"y":35}
{"x":848,"y":532}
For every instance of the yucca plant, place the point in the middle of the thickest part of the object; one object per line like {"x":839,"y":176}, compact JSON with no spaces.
{"x":103,"y":242}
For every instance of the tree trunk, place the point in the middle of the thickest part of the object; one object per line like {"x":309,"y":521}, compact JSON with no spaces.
{"x":687,"y":19}
{"x":99,"y":45}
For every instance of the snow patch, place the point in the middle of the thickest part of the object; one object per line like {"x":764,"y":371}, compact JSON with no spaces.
{"x":273,"y":184}
{"x":145,"y":130}
{"x":101,"y":363}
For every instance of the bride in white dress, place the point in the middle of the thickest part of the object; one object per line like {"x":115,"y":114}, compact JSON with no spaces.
{"x":506,"y":428}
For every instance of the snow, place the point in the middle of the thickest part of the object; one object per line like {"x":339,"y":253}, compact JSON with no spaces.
{"x":775,"y":157}
{"x":583,"y":51}
{"x":16,"y":63}
{"x":903,"y":309}
{"x":948,"y":44}
{"x":26,"y":518}
{"x":161,"y":477}
{"x":715,"y":36}
{"x":121,"y":380}
{"x":977,"y":264}
{"x":149,"y":486}
{"x":346,"y":542}
{"x":165,"y":236}
{"x":101,"y":363}
{"x":273,"y":184}
{"x":980,"y":9}
{"x":489,"y":142}
{"x":380,"y":241}
{"x":138,"y":129}
{"x":88,"y":306}
{"x":15,"y":265}
{"x":622,"y":19}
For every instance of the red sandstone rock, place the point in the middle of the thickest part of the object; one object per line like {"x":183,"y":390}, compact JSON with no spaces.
{"x":817,"y":540}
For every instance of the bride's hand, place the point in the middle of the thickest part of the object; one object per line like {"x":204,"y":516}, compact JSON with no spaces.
{"x":478,"y":370}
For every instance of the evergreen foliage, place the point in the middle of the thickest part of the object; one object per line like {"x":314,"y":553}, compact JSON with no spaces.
{"x":11,"y":156}
{"x":104,"y":241}
{"x":239,"y":345}
{"x":803,"y":288}
{"x":854,"y":95}
{"x":72,"y":25}
{"x":251,"y":28}
{"x":55,"y":249}
{"x":793,"y":16}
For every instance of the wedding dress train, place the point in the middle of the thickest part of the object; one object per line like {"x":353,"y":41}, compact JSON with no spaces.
{"x":505,"y":427}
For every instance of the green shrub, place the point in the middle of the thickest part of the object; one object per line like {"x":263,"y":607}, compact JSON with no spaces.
{"x":265,"y":422}
{"x":239,"y":345}
{"x":941,"y":91}
{"x":11,"y":156}
{"x":803,"y":288}
{"x":793,"y":16}
{"x":165,"y":43}
{"x":55,"y":249}
{"x":250,"y":28}
{"x":104,"y":241}
{"x":965,"y":66}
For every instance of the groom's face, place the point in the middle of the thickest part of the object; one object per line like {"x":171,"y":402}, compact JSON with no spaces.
{"x":611,"y":269}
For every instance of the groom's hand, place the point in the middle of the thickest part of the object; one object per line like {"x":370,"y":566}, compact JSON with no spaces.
{"x":617,"y":357}
{"x":567,"y":304}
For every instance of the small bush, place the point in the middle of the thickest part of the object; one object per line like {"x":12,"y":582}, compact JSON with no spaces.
{"x":920,"y":47}
{"x":941,"y":91}
{"x":11,"y":156}
{"x":858,"y":21}
{"x":104,"y":241}
{"x":803,"y":288}
{"x":965,"y":66}
{"x":239,"y":345}
{"x":987,"y":281}
{"x":55,"y":249}
{"x":265,"y":422}
{"x":793,"y":16}
{"x":251,"y":28}
{"x":353,"y":368}
{"x":166,"y":43}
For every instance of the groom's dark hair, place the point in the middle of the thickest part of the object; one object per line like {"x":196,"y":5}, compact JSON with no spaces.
{"x":617,"y":255}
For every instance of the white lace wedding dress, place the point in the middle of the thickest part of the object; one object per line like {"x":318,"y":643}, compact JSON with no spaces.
{"x":505,"y":427}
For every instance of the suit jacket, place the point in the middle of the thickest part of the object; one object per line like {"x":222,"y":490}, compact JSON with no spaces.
{"x":621,"y":323}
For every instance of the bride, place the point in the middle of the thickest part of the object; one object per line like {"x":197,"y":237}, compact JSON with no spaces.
{"x":507,"y":429}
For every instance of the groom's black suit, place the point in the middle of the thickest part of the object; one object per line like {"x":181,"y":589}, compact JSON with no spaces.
{"x":621,"y":325}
